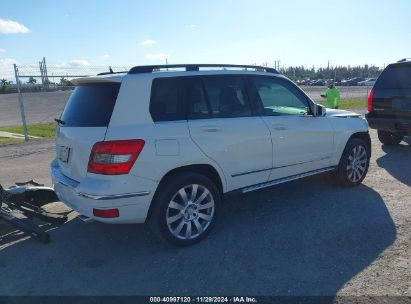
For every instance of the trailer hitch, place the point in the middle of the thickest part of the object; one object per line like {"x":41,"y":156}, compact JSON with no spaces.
{"x":20,"y":204}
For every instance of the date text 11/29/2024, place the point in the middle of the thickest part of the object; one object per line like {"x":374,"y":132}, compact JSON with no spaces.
{"x":203,"y":300}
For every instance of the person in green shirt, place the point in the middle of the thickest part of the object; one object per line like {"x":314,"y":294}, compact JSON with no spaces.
{"x":332,"y":96}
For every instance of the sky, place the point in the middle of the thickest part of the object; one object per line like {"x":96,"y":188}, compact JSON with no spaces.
{"x":131,"y":32}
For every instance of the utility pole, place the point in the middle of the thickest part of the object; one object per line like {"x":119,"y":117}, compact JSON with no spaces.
{"x":41,"y":73}
{"x":23,"y":116}
{"x":45,"y":72}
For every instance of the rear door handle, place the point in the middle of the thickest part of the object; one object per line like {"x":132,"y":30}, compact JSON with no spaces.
{"x":279,"y":127}
{"x":210,"y":128}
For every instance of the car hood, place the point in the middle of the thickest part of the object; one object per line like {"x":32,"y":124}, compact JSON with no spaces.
{"x":341,"y":113}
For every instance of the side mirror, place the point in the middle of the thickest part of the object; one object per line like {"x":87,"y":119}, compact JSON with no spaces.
{"x":319,"y":110}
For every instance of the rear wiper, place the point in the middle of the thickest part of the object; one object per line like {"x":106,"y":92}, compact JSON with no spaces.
{"x":59,"y":121}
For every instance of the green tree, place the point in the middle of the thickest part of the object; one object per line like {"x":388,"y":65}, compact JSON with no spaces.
{"x":32,"y":80}
{"x":65,"y":83}
{"x":5,"y":86}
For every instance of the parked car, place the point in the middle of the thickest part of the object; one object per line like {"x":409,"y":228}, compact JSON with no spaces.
{"x":389,"y":103}
{"x":320,"y":82}
{"x":367,"y":82}
{"x":352,"y":82}
{"x":317,"y":82}
{"x":303,"y":81}
{"x":162,"y":146}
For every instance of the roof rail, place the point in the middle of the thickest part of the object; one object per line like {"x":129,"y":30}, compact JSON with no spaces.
{"x":404,"y":60}
{"x":196,"y":67}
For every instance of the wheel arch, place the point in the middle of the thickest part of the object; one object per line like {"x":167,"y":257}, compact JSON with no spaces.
{"x":364,"y":136}
{"x":204,"y":169}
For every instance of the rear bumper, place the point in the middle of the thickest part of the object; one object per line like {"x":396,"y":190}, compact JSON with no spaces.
{"x":399,"y":125}
{"x":131,"y":198}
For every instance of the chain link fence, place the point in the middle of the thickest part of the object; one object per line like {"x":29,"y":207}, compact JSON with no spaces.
{"x":44,"y":77}
{"x":37,"y":93}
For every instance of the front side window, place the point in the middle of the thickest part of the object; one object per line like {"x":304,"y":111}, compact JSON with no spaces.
{"x":277,"y":97}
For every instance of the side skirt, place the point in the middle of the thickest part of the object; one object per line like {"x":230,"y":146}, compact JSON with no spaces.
{"x":279,"y":181}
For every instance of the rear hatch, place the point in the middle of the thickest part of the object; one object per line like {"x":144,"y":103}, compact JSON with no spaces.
{"x":84,"y":122}
{"x":392,"y":92}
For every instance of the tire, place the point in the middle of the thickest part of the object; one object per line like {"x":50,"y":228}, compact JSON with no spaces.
{"x":389,"y":138}
{"x":184,"y":219}
{"x":354,"y":163}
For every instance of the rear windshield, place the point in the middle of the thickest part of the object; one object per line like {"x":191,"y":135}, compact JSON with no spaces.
{"x":395,"y":77}
{"x":90,"y":105}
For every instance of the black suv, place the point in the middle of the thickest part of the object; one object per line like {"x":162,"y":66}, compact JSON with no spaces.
{"x":389,"y":103}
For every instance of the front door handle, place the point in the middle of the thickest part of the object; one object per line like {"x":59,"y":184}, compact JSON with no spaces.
{"x":210,"y":128}
{"x":279,"y":127}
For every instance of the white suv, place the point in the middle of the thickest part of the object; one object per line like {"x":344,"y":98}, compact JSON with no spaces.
{"x":162,"y":144}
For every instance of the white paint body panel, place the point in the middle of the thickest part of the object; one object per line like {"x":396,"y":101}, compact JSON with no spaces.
{"x":300,"y":143}
{"x":79,"y":140}
{"x":239,"y":145}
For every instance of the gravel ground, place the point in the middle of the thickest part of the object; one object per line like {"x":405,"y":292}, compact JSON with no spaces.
{"x":45,"y":106}
{"x":308,"y":237}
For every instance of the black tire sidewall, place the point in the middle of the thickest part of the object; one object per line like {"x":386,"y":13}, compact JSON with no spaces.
{"x":163,"y":196}
{"x":389,"y":138}
{"x":342,"y":167}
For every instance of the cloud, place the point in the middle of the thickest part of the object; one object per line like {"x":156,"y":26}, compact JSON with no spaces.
{"x":2,"y":50}
{"x":157,"y":56}
{"x":7,"y":62}
{"x":12,"y":27}
{"x":78,"y":63}
{"x":105,"y":56}
{"x":148,"y":42}
{"x":6,"y":68}
{"x":192,"y":26}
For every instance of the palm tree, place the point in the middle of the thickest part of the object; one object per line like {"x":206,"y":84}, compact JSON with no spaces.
{"x":4,"y":85}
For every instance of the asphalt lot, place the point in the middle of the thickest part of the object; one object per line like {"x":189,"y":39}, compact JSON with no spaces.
{"x":308,"y":237}
{"x":41,"y":107}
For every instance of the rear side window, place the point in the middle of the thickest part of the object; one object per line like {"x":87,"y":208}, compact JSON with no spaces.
{"x":197,"y":100}
{"x":395,"y":77}
{"x":90,"y":105}
{"x":166,"y":102}
{"x":226,"y":96}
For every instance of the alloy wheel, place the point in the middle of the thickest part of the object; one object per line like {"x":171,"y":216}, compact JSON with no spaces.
{"x":190,"y":211}
{"x":357,"y":163}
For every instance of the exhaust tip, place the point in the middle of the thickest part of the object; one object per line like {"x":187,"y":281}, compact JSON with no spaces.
{"x":85,"y":219}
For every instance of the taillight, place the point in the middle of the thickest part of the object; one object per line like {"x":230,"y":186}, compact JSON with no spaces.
{"x":370,"y":97}
{"x":114,"y":157}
